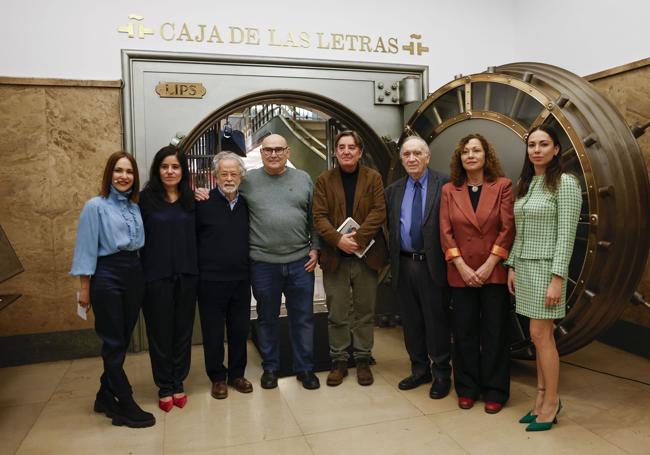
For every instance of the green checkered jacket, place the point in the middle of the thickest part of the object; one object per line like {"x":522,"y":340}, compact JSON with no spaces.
{"x":546,"y":223}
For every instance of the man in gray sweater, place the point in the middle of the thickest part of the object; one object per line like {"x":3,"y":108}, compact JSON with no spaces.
{"x":284,"y":253}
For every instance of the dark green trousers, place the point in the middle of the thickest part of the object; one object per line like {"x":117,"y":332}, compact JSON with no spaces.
{"x":350,"y":290}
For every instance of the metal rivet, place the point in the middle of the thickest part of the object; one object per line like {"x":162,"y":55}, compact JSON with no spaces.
{"x":380,"y":99}
{"x":380,"y":85}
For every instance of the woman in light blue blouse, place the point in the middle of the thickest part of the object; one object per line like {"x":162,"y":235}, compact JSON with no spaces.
{"x":109,"y":235}
{"x":547,"y":210}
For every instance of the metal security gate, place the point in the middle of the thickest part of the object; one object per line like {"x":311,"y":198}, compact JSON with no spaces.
{"x":353,"y":94}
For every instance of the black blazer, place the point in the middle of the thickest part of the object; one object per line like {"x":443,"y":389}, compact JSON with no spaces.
{"x":430,"y":231}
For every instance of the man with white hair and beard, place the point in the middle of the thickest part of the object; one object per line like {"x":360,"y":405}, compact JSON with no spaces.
{"x":284,"y":253}
{"x":224,"y":293}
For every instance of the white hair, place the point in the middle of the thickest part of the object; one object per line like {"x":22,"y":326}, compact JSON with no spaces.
{"x":219,"y":157}
{"x":422,"y":144}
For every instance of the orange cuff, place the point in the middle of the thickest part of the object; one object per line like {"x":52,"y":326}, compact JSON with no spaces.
{"x":501,"y":252}
{"x":452,"y":253}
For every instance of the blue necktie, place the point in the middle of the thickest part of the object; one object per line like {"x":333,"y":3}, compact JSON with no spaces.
{"x":416,"y":219}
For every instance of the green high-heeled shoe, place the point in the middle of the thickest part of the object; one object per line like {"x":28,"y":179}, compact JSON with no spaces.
{"x":545,"y":426}
{"x":528,"y":418}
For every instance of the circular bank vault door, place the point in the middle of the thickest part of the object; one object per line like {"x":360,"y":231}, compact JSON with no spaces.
{"x":612,"y":240}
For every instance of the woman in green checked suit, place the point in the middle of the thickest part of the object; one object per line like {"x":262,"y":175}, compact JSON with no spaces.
{"x":547,"y":209}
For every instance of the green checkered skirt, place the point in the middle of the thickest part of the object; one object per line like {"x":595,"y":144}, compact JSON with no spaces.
{"x":532,"y":277}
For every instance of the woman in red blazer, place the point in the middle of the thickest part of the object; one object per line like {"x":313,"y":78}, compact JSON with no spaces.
{"x":476,"y":233}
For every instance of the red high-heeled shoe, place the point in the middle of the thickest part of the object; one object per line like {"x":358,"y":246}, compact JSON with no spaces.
{"x":465,"y":403}
{"x":166,"y":405}
{"x":180,"y":401}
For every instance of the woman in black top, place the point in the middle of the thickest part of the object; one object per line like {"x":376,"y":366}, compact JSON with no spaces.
{"x":169,"y":261}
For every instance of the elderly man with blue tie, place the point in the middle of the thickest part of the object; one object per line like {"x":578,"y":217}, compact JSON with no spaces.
{"x":419,"y":270}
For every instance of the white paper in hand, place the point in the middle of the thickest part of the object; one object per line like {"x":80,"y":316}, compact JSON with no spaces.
{"x":81,"y":311}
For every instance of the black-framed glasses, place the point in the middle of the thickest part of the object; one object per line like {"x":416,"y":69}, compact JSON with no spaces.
{"x":279,"y":151}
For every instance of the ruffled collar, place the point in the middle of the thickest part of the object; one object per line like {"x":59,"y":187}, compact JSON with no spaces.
{"x":121,"y":195}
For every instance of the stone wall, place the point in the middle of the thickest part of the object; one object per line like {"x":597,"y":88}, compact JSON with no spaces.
{"x":55,"y":138}
{"x":628,"y":88}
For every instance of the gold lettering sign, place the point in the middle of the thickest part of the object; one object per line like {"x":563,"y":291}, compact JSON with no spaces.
{"x":210,"y":35}
{"x":180,"y":90}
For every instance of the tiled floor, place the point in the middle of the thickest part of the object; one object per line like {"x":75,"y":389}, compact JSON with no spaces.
{"x":47,"y":409}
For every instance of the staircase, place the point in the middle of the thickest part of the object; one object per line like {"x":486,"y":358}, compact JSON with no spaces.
{"x":305,"y":129}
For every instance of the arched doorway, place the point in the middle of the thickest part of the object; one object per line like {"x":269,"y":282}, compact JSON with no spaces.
{"x":381,"y":156}
{"x":378,"y":154}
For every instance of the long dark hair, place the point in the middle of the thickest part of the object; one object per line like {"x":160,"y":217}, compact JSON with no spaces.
{"x":553,"y":171}
{"x":107,"y":178}
{"x":491,"y":170}
{"x":155,"y":185}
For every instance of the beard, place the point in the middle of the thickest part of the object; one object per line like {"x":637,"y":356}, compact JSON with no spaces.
{"x":229,"y":188}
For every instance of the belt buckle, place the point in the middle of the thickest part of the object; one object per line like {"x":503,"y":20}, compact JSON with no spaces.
{"x":417,"y":257}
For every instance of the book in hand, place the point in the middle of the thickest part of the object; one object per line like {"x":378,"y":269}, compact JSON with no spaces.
{"x":349,"y":226}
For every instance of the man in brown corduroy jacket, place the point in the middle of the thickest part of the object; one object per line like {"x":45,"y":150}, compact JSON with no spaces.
{"x":350,"y":190}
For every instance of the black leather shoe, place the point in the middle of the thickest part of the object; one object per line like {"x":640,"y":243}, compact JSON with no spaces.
{"x":440,"y":388}
{"x":105,"y":403}
{"x":132,"y":415}
{"x":269,"y":380}
{"x":308,"y":379}
{"x":411,"y":382}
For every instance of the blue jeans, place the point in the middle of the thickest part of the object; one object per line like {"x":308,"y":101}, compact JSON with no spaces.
{"x":269,"y":282}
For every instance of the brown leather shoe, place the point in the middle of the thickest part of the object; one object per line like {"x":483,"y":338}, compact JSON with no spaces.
{"x":364,"y":375}
{"x":338,"y":372}
{"x":241,"y":385}
{"x":219,"y":390}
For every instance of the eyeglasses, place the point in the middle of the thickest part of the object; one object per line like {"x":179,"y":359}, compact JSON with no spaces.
{"x":279,"y":151}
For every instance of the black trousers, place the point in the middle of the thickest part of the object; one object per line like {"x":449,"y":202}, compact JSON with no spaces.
{"x":116,"y":291}
{"x":168,"y":308}
{"x":225,"y":303}
{"x":425,"y":317}
{"x":480,"y":351}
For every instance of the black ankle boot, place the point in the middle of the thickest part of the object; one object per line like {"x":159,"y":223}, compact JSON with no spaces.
{"x":132,"y":415}
{"x":105,"y":403}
